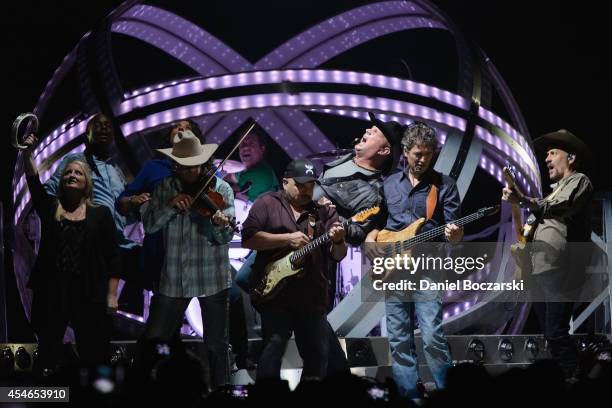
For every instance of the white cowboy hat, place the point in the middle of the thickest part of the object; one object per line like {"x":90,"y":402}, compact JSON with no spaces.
{"x":188,"y":151}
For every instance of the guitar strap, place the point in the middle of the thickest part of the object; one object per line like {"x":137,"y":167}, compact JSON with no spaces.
{"x":552,"y":195}
{"x":432,"y":198}
{"x":312,"y":222}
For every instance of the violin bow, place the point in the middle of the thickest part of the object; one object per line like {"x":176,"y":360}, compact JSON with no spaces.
{"x":224,"y":160}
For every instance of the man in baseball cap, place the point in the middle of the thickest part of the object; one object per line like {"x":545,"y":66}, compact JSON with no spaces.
{"x":302,"y":171}
{"x":298,"y":182}
{"x":287,"y":220}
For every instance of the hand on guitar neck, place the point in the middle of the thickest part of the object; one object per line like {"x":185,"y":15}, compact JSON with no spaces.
{"x":297,"y":239}
{"x":277,"y":272}
{"x":512,"y":194}
{"x":402,"y":242}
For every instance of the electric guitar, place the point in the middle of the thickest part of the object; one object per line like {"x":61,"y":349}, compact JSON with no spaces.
{"x":404,"y":240}
{"x":524,"y":233}
{"x":277,"y":273}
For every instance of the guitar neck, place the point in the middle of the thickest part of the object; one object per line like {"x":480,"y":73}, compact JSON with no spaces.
{"x":516,"y":211}
{"x":312,"y":245}
{"x":439,"y":231}
{"x":516,"y":218}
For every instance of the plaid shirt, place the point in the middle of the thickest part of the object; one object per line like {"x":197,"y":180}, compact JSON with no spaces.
{"x":197,"y":251}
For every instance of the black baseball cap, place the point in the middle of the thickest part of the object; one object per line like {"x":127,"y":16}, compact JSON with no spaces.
{"x":301,"y":170}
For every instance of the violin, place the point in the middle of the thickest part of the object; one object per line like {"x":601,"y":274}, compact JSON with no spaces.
{"x":207,"y":201}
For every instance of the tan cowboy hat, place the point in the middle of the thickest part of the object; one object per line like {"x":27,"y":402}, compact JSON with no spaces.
{"x":565,"y":140}
{"x":188,"y":151}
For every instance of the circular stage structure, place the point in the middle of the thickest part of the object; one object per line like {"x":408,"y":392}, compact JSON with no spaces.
{"x":150,"y":64}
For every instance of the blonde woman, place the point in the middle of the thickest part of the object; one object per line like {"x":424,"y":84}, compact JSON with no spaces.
{"x":74,"y":279}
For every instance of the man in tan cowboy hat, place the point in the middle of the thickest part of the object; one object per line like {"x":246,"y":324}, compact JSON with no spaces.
{"x":196,"y":253}
{"x":562,"y":218}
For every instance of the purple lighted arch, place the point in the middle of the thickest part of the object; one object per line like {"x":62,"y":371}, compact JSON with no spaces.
{"x":164,"y":92}
{"x":143,"y":97}
{"x":307,"y":100}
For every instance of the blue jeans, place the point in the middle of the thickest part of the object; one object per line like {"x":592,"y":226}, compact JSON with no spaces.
{"x":244,"y":274}
{"x":400,"y":329}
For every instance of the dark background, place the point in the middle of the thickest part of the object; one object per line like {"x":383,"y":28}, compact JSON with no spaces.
{"x":551,"y":54}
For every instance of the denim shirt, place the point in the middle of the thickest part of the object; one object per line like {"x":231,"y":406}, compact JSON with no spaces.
{"x":350,"y":195}
{"x":407,"y":203}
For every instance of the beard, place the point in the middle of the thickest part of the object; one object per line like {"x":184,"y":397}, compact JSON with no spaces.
{"x":417,"y":170}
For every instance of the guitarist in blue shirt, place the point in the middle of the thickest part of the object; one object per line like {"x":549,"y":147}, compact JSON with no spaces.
{"x":407,"y":194}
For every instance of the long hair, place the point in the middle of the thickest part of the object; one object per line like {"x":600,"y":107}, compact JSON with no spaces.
{"x":87,"y":195}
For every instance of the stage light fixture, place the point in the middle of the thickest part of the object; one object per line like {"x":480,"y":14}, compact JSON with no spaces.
{"x":506,"y":350}
{"x":23,"y":358}
{"x":7,"y":361}
{"x":532,"y":349}
{"x":476,"y":350}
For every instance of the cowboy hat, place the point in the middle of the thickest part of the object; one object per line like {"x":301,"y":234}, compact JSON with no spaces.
{"x":564,"y":140}
{"x":188,"y":151}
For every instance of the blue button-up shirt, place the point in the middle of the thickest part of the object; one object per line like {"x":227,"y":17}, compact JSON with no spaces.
{"x":407,"y":203}
{"x":152,"y":173}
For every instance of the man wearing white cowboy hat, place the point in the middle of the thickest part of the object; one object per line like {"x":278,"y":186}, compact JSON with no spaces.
{"x":196,"y":254}
{"x":562,"y":218}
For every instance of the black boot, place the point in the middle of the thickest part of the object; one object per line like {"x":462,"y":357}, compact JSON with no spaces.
{"x":238,"y":336}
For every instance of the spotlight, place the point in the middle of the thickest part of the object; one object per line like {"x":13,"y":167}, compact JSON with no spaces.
{"x":7,"y":361}
{"x":532,"y":349}
{"x":506,"y":350}
{"x":22,"y":358}
{"x":476,"y":350}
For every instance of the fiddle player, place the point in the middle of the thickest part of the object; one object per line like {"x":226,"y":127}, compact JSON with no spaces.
{"x":196,"y":253}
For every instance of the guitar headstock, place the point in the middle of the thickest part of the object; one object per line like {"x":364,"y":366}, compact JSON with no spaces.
{"x":486,"y":211}
{"x":511,"y":179}
{"x":510,"y":176}
{"x":363,"y":215}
